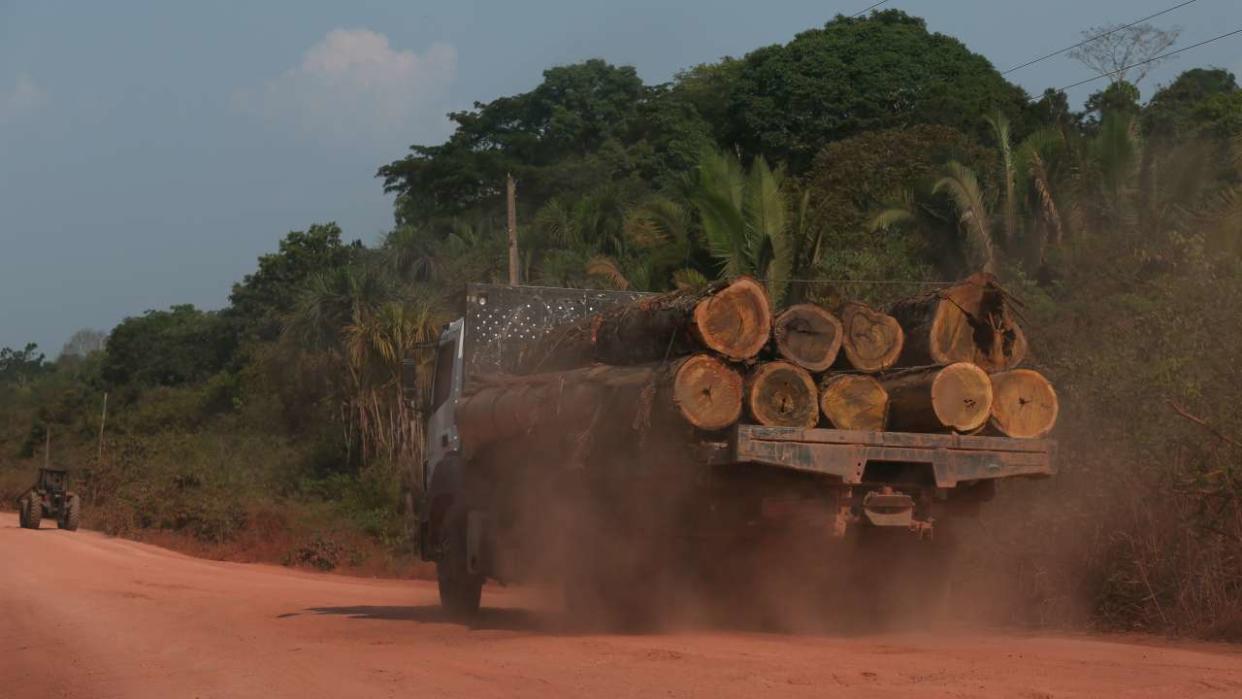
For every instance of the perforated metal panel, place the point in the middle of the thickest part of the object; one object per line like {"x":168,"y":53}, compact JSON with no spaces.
{"x":503,"y":322}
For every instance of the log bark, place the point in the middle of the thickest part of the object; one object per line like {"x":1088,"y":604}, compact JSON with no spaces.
{"x":701,"y":390}
{"x":1024,"y":404}
{"x":854,"y":402}
{"x":782,"y":394}
{"x":971,"y":321}
{"x":871,"y":340}
{"x":953,"y":398}
{"x":808,"y":336}
{"x":732,"y":318}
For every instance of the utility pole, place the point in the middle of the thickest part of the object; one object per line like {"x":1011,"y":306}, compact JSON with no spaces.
{"x":511,"y":196}
{"x":103,"y":420}
{"x":47,"y":446}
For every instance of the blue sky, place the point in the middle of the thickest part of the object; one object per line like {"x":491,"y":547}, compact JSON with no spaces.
{"x":150,"y":151}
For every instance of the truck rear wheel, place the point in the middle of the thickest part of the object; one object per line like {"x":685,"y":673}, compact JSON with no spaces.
{"x":460,"y":590}
{"x":73,"y":514}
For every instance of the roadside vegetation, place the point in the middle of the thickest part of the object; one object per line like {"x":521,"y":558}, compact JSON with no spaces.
{"x":284,"y":426}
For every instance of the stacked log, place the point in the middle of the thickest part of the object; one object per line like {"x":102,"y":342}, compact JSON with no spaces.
{"x":872,"y":340}
{"x":971,"y":321}
{"x":705,"y":359}
{"x":957,"y":397}
{"x":701,"y":391}
{"x":1024,"y":404}
{"x":782,"y":394}
{"x":854,"y":402}
{"x":731,"y":318}
{"x":808,"y":336}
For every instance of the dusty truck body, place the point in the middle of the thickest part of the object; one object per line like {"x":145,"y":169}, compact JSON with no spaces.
{"x":607,"y":509}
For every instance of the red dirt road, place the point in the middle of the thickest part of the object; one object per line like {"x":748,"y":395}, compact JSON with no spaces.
{"x":84,"y":615}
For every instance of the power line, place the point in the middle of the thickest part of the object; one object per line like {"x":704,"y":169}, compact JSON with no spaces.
{"x":863,"y":12}
{"x":1143,"y":62}
{"x":1093,"y":38}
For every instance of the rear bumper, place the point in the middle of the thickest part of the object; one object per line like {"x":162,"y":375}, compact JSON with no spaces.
{"x":844,"y":454}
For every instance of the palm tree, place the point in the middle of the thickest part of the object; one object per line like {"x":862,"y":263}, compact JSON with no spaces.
{"x":367,"y":323}
{"x":969,"y":221}
{"x":1000,"y":131}
{"x":745,"y":219}
{"x":962,"y":187}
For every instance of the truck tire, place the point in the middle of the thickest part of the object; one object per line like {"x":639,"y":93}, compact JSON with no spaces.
{"x":73,"y":513}
{"x":34,"y":513}
{"x":460,"y":591}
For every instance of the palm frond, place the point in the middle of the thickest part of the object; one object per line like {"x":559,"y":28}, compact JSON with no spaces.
{"x":688,"y":279}
{"x":609,"y":269}
{"x":962,"y":187}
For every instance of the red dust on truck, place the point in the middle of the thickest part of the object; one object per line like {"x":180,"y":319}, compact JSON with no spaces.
{"x":624,"y":513}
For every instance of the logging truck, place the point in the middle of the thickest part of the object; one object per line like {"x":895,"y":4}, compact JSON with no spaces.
{"x":606,"y":439}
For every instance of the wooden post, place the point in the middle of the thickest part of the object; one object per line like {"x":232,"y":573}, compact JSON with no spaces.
{"x":511,"y":196}
{"x":103,"y":420}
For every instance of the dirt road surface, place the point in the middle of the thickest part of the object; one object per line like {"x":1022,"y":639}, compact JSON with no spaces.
{"x":84,"y":615}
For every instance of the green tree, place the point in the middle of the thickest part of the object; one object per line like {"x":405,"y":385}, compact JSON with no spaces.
{"x":857,"y":177}
{"x":1200,"y":102}
{"x":853,"y":76}
{"x":745,"y":217}
{"x":262,"y":297}
{"x":179,"y":346}
{"x":20,"y":366}
{"x":585,"y":125}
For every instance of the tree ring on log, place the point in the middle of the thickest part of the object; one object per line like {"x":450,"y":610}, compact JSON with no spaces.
{"x":872,"y":340}
{"x":961,"y":396}
{"x":782,"y":394}
{"x":808,"y":336}
{"x":854,"y":402}
{"x":1024,"y":404}
{"x":736,"y":321}
{"x":708,"y":392}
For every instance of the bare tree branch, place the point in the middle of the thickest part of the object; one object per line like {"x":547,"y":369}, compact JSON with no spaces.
{"x":1116,"y":49}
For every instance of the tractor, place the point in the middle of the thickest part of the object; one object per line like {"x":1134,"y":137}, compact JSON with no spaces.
{"x":50,"y":497}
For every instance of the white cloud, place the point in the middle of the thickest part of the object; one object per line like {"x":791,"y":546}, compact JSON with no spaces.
{"x":25,"y":98}
{"x":353,"y":84}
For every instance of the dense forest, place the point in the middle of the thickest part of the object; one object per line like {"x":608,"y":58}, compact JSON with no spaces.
{"x":870,"y":149}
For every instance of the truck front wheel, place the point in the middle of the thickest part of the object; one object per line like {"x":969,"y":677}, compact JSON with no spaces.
{"x":460,"y":590}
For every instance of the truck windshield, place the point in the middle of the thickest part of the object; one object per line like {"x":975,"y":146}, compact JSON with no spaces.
{"x":444,"y":374}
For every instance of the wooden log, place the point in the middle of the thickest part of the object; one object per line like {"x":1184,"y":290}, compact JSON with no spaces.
{"x":707,"y":392}
{"x":782,"y":394}
{"x":871,"y":340}
{"x":971,"y":321}
{"x":957,"y":397}
{"x":700,"y":390}
{"x":808,"y":336}
{"x":1024,"y":404}
{"x":732,"y":318}
{"x":854,"y":402}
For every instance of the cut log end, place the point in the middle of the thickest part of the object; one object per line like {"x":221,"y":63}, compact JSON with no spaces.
{"x":808,"y":336}
{"x":1024,"y":404}
{"x":707,"y":392}
{"x":781,"y":394}
{"x":961,"y":396}
{"x":972,"y":321}
{"x":871,"y":340}
{"x":736,"y":321}
{"x":854,"y":402}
